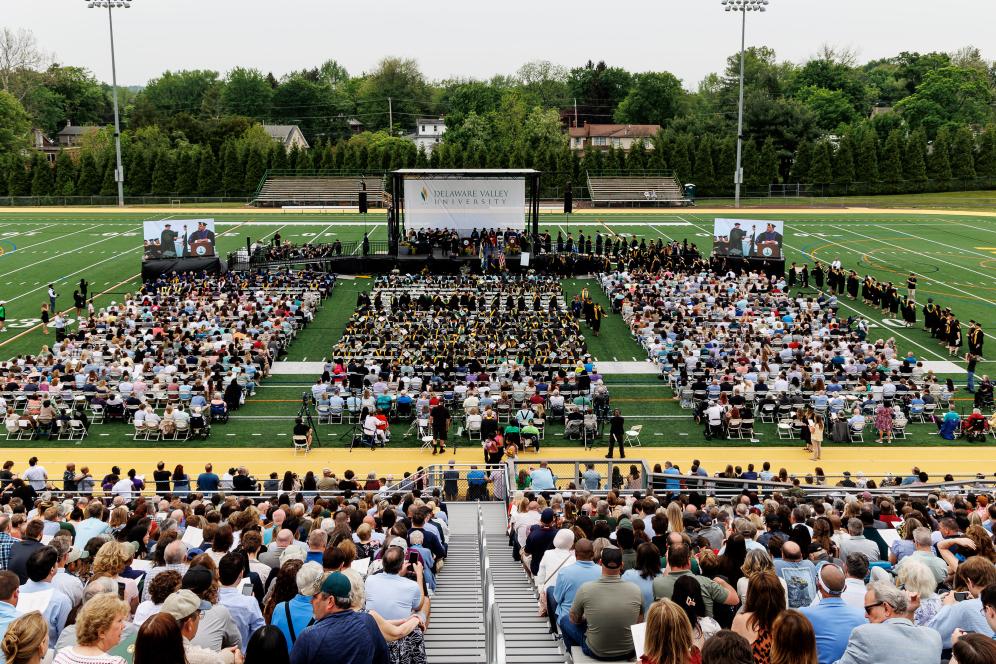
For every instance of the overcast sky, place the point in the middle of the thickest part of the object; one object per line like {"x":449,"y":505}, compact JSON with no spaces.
{"x":475,"y":38}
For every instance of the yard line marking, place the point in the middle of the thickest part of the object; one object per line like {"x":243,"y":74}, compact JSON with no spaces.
{"x":936,"y":281}
{"x":65,"y":253}
{"x":318,"y":235}
{"x":844,"y":304}
{"x":949,"y":246}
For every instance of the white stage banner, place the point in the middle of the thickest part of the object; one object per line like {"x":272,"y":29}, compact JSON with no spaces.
{"x":465,"y":204}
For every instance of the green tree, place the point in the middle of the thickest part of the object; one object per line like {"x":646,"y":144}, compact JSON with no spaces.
{"x":138,"y":180}
{"x":962,"y":154}
{"x":187,"y":167}
{"x":278,"y":158}
{"x":164,"y":174}
{"x":653,"y":98}
{"x":89,"y":180}
{"x":843,"y":162}
{"x":171,"y":94}
{"x":65,"y":175}
{"x":208,"y":174}
{"x":41,"y":176}
{"x":831,"y":108}
{"x":402,"y":81}
{"x":948,"y":95}
{"x":820,"y":171}
{"x":597,"y":88}
{"x":985,"y":162}
{"x":108,"y":185}
{"x":232,"y":175}
{"x":891,"y":167}
{"x":247,"y":93}
{"x":19,"y":180}
{"x":866,"y":156}
{"x":254,"y":170}
{"x":768,"y":163}
{"x":939,"y":157}
{"x":14,"y":125}
{"x":801,"y":163}
{"x":915,"y":160}
{"x":704,"y":173}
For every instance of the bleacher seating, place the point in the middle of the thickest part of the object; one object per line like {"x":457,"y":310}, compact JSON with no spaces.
{"x":655,"y":190}
{"x":318,"y":190}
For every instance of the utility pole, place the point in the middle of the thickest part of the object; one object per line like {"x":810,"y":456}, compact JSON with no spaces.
{"x":575,"y":111}
{"x":390,"y":117}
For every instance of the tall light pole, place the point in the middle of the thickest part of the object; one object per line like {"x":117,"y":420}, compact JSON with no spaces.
{"x":742,"y":6}
{"x":111,"y":5}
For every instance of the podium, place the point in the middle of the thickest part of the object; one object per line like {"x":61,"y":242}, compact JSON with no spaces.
{"x":768,"y":249}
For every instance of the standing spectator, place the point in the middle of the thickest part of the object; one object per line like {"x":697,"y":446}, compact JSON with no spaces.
{"x":890,"y":637}
{"x":36,"y":475}
{"x":99,"y":626}
{"x":832,"y":619}
{"x":793,"y":640}
{"x":439,"y":420}
{"x":26,"y":640}
{"x":617,"y":432}
{"x":161,"y":476}
{"x":603,"y":611}
{"x":883,"y":423}
{"x":339,"y":633}
{"x":52,"y":295}
{"x":208,"y":481}
{"x":765,"y":601}
{"x":668,"y":638}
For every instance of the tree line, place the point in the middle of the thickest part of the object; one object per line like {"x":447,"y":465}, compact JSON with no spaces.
{"x":197,"y":132}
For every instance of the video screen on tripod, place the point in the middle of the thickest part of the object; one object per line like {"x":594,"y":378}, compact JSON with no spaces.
{"x":747,"y":238}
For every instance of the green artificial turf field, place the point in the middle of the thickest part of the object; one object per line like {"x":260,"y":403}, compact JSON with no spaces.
{"x":953,"y":254}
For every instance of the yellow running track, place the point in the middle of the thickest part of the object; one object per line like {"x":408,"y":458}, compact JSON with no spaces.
{"x":876,"y":460}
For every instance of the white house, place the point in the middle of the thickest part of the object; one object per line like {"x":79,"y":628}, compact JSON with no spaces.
{"x":428,"y":132}
{"x":287,"y":135}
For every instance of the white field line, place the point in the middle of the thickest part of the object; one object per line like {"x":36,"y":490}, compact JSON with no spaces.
{"x":65,"y":253}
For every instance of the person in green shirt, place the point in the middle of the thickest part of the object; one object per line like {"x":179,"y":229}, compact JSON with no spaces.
{"x":603,"y":612}
{"x":679,"y":564}
{"x":3,"y":314}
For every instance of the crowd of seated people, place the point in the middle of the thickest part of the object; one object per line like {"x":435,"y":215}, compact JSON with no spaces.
{"x":290,"y":251}
{"x":744,"y":347}
{"x":220,"y":569}
{"x":197,"y":341}
{"x":905,"y":574}
{"x":455,"y":320}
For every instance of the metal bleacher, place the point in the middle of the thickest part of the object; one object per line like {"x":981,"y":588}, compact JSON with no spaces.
{"x":278,"y":189}
{"x":635,"y":190}
{"x":526,"y":635}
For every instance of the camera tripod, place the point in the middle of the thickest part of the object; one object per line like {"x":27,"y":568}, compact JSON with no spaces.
{"x":305,"y":414}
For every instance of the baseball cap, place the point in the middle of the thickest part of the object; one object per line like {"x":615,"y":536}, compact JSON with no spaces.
{"x":336,"y":584}
{"x":197,"y":579}
{"x":183,"y":604}
{"x":547,"y":516}
{"x":611,"y":558}
{"x":309,"y":579}
{"x":76,"y":554}
{"x":399,"y":542}
{"x":293,"y":552}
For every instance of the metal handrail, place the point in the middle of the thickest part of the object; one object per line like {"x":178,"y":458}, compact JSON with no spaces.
{"x":494,"y":632}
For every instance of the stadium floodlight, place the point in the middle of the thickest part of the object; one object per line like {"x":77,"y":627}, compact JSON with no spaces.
{"x":742,"y":6}
{"x":114,"y":4}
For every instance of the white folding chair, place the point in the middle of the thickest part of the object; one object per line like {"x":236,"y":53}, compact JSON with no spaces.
{"x":632,"y":437}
